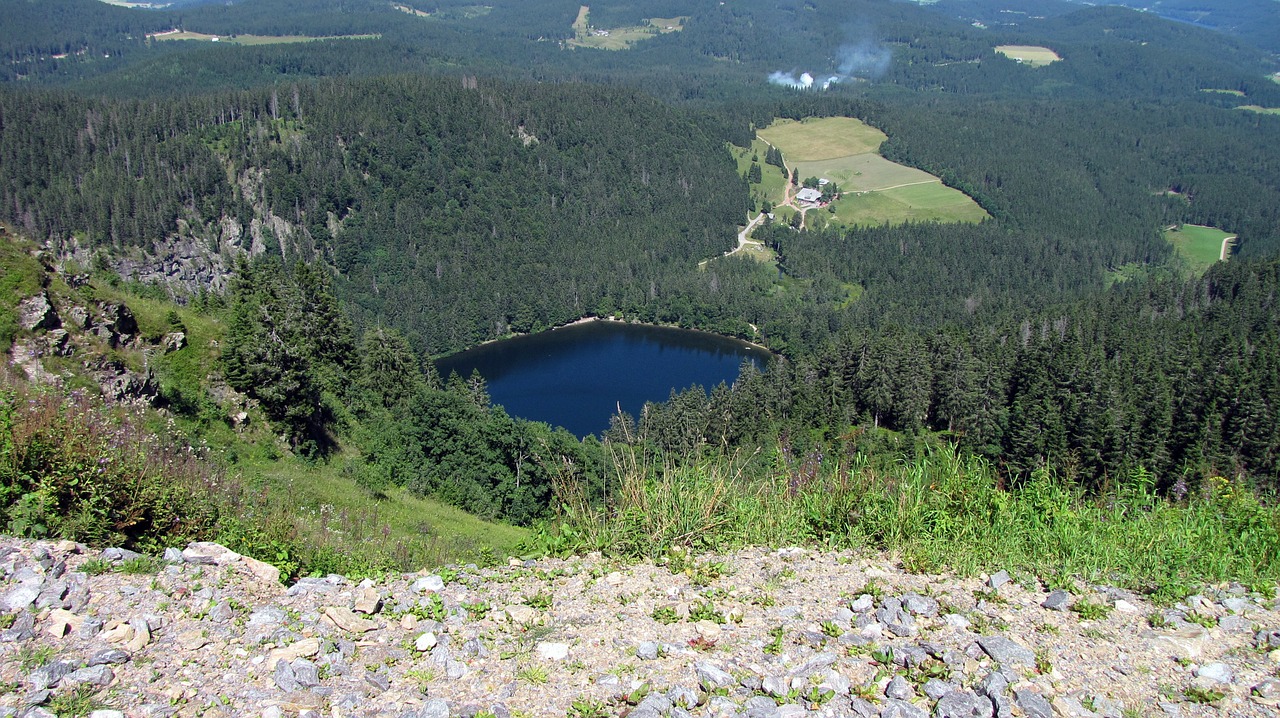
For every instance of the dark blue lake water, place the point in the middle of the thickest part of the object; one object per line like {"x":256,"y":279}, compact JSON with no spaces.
{"x":578,"y":376}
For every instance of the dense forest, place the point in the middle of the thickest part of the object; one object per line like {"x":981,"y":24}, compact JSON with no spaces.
{"x":468,"y":174}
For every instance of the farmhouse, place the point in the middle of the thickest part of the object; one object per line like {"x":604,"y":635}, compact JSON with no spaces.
{"x":809,"y":195}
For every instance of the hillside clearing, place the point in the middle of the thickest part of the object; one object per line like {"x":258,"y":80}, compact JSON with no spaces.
{"x":874,"y":190}
{"x":1198,"y":245}
{"x":1260,"y":109}
{"x":1032,"y":55}
{"x":619,"y":38}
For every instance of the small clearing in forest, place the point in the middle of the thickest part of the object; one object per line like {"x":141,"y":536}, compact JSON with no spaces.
{"x":1032,"y":55}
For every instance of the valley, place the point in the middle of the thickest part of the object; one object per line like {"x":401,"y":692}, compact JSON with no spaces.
{"x":1020,"y":306}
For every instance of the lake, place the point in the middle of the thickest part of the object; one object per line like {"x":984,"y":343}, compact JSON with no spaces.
{"x":578,"y":376}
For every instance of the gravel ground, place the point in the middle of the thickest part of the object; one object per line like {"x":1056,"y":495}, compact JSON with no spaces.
{"x":760,"y":633}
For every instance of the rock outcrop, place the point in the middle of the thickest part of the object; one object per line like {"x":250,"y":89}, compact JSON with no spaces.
{"x":762,"y":634}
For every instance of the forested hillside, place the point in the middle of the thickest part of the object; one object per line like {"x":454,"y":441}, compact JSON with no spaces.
{"x":456,"y":210}
{"x":345,"y":209}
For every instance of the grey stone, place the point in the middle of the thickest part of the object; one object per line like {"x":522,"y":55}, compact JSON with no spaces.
{"x":993,"y":684}
{"x":99,"y":675}
{"x":305,"y":673}
{"x":48,"y":676}
{"x":721,"y":706}
{"x":1234,"y":624}
{"x":1006,"y":652}
{"x":836,"y":683}
{"x":936,"y":689}
{"x":109,"y":657}
{"x":998,"y":579}
{"x":1058,"y":600}
{"x":684,"y":696}
{"x":776,"y":686}
{"x":173,"y":555}
{"x":1106,"y":707}
{"x":909,"y":656}
{"x":842,"y":615}
{"x":1170,"y":709}
{"x":1268,"y":638}
{"x":1269,"y":689}
{"x":862,"y":603}
{"x":815,"y":664}
{"x":221,"y":612}
{"x":920,"y":605}
{"x":1003,"y":705}
{"x":712,"y":677}
{"x":678,"y":712}
{"x":377,"y":680}
{"x":1217,"y":672}
{"x":455,"y":669}
{"x":900,"y":689}
{"x":655,"y":702}
{"x":106,"y":713}
{"x":1033,"y":704}
{"x":37,"y":313}
{"x":19,"y":598}
{"x":434,"y":708}
{"x":647,"y":651}
{"x":23,"y":628}
{"x":791,"y":710}
{"x":284,"y":677}
{"x":956,"y":621}
{"x":963,"y":704}
{"x":894,"y":708}
{"x":38,"y":712}
{"x":116,"y":553}
{"x":1236,"y":605}
{"x":432,"y":583}
{"x":1071,"y":707}
{"x":474,"y":648}
{"x":862,"y":708}
{"x":266,"y":616}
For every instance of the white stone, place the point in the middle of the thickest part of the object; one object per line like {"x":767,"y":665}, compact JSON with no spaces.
{"x":553,"y":651}
{"x":425,"y":642}
{"x":1124,"y":606}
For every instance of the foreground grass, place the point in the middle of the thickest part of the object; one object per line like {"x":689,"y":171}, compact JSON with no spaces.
{"x":943,"y":511}
{"x":350,"y":530}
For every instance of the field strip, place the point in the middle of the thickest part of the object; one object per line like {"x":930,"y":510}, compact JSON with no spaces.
{"x":907,"y":184}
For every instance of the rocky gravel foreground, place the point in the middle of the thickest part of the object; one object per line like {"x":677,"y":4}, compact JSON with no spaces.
{"x":759,"y":633}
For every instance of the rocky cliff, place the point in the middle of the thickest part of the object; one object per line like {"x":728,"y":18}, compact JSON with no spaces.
{"x":760,"y":633}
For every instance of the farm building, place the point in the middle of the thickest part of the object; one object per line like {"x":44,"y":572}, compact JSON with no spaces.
{"x":809,"y":195}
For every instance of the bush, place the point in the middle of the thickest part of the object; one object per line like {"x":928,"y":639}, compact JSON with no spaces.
{"x":72,"y":468}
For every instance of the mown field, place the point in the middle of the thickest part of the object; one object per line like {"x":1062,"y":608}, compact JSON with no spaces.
{"x":1032,"y":55}
{"x":932,"y":202}
{"x":1260,"y":109}
{"x":875,"y":190}
{"x":823,"y":138}
{"x":1199,"y":246}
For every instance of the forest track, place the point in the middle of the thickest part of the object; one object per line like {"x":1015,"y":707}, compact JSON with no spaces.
{"x":1226,"y":247}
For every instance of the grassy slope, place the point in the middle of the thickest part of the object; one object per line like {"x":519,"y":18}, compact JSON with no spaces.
{"x":772,"y":182}
{"x":329,"y":509}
